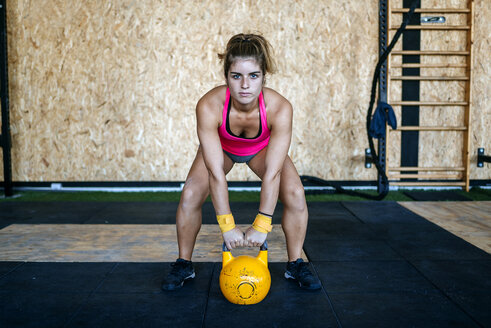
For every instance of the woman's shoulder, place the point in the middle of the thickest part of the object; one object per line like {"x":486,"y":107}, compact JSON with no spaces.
{"x":213,"y":100}
{"x":275,"y":101}
{"x":217,"y":94}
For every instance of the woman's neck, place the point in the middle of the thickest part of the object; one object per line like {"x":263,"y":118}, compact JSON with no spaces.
{"x":245,"y":108}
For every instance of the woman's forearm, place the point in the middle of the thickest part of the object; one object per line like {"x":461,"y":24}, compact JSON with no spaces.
{"x":219,"y":194}
{"x":269,"y":193}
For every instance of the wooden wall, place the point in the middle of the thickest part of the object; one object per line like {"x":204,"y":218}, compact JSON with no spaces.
{"x":106,"y":90}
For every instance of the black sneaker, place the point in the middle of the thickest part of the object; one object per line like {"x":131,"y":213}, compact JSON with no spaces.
{"x":299,"y":271}
{"x":181,"y":271}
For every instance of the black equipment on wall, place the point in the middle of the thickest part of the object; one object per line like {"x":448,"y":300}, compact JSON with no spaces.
{"x":383,"y":28}
{"x":482,"y":158}
{"x":4,"y":95}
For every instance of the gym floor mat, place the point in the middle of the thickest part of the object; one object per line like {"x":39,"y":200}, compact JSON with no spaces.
{"x":380,"y":264}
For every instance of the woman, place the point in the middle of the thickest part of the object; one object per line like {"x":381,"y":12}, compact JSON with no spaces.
{"x":243,"y":122}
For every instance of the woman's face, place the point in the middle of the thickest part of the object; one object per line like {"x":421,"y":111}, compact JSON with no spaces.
{"x":245,"y":80}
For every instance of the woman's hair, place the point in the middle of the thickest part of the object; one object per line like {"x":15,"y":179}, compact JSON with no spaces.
{"x":248,"y":46}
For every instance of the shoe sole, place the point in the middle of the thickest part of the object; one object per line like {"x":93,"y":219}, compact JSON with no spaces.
{"x":172,"y":287}
{"x":289,"y":276}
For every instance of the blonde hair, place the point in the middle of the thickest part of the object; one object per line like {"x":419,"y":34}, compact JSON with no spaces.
{"x":248,"y":46}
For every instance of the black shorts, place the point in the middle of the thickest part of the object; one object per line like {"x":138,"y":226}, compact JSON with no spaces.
{"x":240,"y":159}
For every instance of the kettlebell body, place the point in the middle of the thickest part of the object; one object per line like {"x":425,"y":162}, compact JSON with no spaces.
{"x":245,"y":279}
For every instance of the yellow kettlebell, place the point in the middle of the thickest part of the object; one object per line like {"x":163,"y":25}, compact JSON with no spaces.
{"x":245,"y":279}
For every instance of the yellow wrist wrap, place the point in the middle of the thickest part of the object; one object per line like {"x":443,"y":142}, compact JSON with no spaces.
{"x":262,"y":223}
{"x":226,"y":222}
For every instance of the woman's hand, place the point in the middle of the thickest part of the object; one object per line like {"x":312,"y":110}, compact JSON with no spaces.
{"x":234,"y":238}
{"x":254,"y":238}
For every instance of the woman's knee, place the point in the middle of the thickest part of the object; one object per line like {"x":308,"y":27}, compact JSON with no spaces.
{"x":193,"y":195}
{"x":293,"y":197}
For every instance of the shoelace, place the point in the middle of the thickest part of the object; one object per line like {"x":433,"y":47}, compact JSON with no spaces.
{"x":303,"y":270}
{"x":178,"y":268}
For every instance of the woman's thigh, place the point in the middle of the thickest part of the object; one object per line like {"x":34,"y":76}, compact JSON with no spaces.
{"x":290,"y":180}
{"x":197,"y":181}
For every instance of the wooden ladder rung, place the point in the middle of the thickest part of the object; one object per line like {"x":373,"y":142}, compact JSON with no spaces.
{"x":432,"y":10}
{"x":429,"y":103}
{"x":429,"y":78}
{"x":434,"y":27}
{"x":427,"y":183}
{"x":409,"y":65}
{"x":425,"y":169}
{"x":425,"y":176}
{"x":430,"y":52}
{"x":430,"y":128}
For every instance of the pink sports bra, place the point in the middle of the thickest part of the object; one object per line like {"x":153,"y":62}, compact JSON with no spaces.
{"x":243,"y":146}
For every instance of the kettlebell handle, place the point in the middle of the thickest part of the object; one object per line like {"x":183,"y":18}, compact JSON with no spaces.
{"x":263,"y":247}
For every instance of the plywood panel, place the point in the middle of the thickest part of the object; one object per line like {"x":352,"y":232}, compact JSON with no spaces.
{"x":470,"y":221}
{"x":106,"y":90}
{"x":119,"y":243}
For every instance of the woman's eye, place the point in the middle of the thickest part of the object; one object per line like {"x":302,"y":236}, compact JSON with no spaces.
{"x":254,"y":76}
{"x":236,"y":76}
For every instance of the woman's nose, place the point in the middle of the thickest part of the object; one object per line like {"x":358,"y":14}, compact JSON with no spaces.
{"x":245,"y":83}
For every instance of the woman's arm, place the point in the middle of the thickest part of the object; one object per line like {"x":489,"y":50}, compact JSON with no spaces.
{"x":276,"y":153}
{"x":279,"y":142}
{"x":207,"y":121}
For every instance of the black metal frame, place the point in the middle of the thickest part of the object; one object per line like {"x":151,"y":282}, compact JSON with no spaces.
{"x":481,"y":157}
{"x":4,"y":95}
{"x":409,"y":146}
{"x":382,"y":95}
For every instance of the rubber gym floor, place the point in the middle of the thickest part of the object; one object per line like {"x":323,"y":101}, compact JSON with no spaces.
{"x":380,"y":264}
